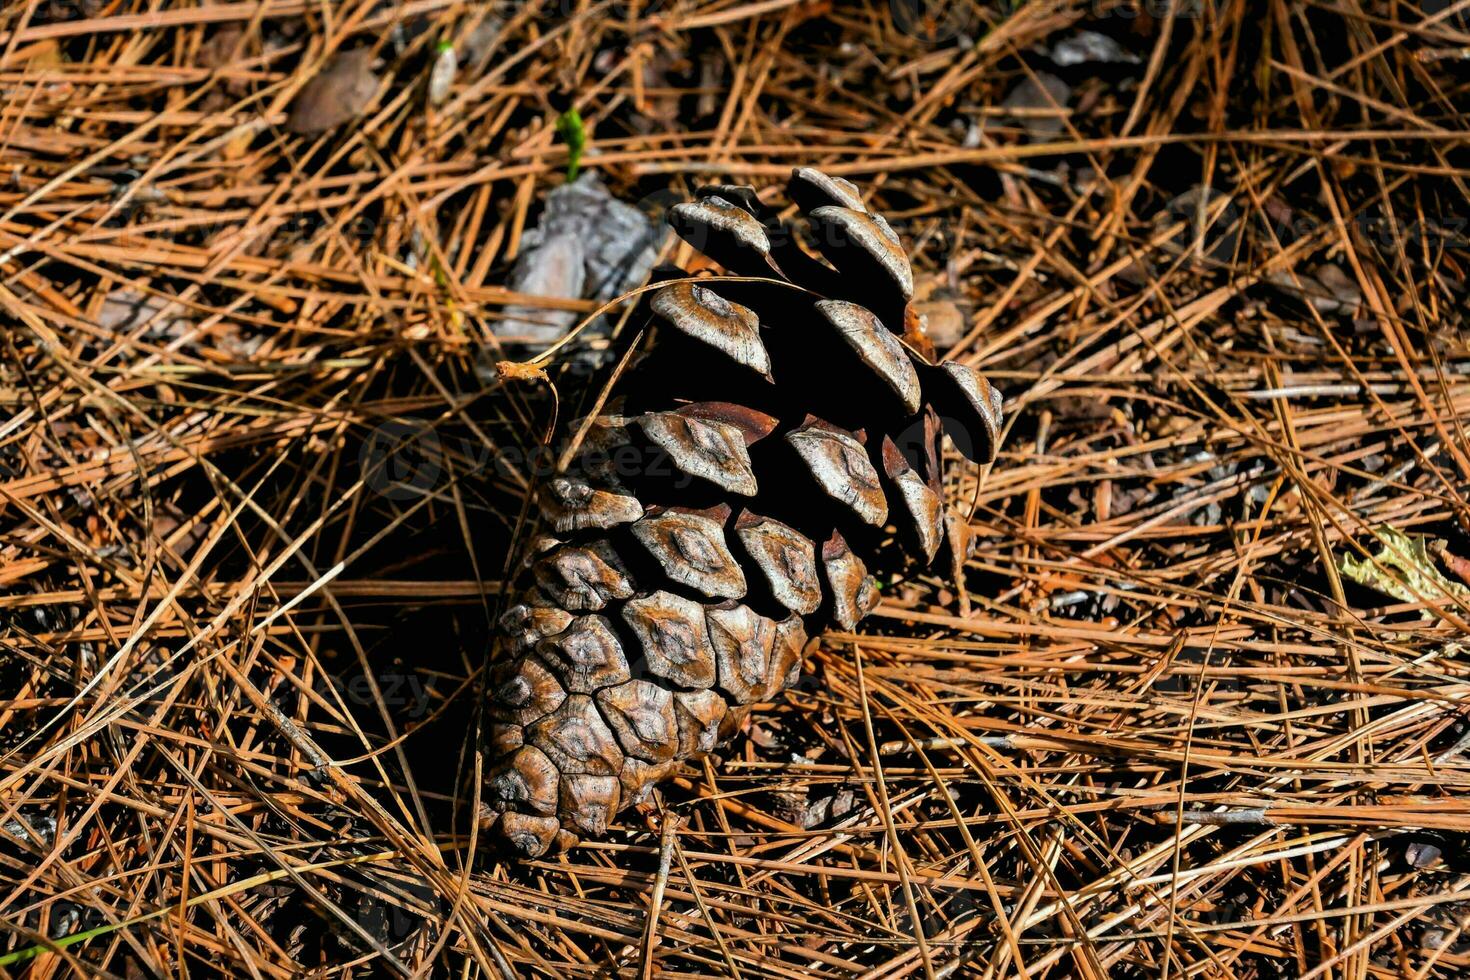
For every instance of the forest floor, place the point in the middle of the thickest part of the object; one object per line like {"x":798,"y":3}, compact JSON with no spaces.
{"x":1198,"y":707}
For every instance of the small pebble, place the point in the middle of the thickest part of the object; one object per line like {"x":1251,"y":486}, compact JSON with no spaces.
{"x":1085,"y":46}
{"x":1422,"y":854}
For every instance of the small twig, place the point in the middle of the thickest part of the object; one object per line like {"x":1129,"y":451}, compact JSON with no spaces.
{"x":668,"y":833}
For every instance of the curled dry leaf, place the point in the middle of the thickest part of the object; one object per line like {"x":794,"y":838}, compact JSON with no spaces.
{"x":519,"y":371}
{"x":1405,"y":569}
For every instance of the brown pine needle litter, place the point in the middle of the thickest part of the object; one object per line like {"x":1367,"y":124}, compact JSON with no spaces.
{"x":1195,"y":707}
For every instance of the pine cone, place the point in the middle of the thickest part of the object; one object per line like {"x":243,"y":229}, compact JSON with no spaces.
{"x":773,"y":438}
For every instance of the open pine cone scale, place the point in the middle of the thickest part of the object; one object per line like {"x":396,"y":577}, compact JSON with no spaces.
{"x":775,"y":440}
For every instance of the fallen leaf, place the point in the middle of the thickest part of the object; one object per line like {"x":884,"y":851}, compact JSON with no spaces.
{"x":220,"y":47}
{"x":1417,"y":578}
{"x":239,"y":143}
{"x":1039,"y":104}
{"x":125,"y":311}
{"x":480,"y":42}
{"x":47,"y":54}
{"x":944,"y":322}
{"x":337,"y":95}
{"x":1341,"y":294}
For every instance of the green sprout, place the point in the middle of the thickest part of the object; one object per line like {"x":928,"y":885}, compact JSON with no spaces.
{"x":569,"y":127}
